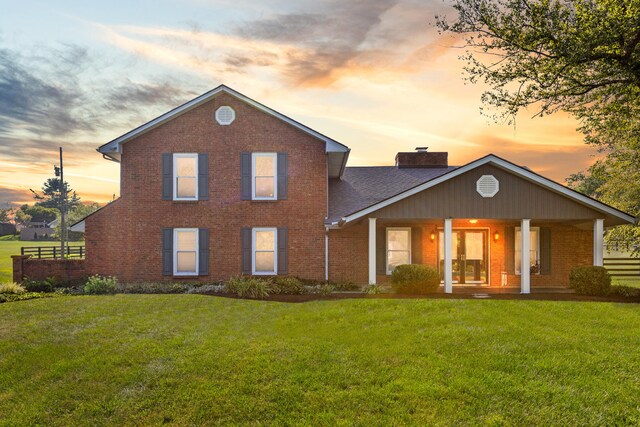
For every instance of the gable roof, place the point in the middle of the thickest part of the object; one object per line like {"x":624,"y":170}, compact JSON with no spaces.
{"x":452,"y":173}
{"x":338,"y":152}
{"x":361,"y":187}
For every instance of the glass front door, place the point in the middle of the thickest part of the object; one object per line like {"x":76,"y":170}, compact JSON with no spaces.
{"x":469,"y":256}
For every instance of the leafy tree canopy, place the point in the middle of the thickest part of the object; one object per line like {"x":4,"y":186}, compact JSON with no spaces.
{"x":580,"y":56}
{"x":39,"y":213}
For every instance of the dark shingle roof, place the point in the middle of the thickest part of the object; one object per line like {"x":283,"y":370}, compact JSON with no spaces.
{"x":361,"y":187}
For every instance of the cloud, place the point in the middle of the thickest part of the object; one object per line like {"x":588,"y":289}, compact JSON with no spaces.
{"x":332,"y":40}
{"x":11,"y":197}
{"x":42,"y":106}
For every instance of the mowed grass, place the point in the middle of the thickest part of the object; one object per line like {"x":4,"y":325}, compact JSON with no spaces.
{"x":201,"y":360}
{"x":10,"y":245}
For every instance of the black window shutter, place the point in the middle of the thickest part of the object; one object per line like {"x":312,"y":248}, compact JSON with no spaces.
{"x":545,"y":250}
{"x":381,"y":250}
{"x":283,"y":172}
{"x":416,"y":245}
{"x":245,"y":236}
{"x":203,"y":251}
{"x":167,"y":251}
{"x":509,"y":250}
{"x":167,"y":176}
{"x":245,"y":176}
{"x":203,"y":176}
{"x":283,"y":251}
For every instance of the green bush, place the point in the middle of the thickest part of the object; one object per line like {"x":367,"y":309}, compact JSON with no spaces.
{"x":625,"y":291}
{"x":373,"y":290}
{"x":590,"y":280}
{"x":37,"y":285}
{"x":346,"y":287}
{"x":286,"y":285}
{"x":98,"y":285}
{"x":11,"y":288}
{"x":153,"y":288}
{"x":324,"y":290}
{"x":22,"y":297}
{"x":415,"y":279}
{"x":248,"y":287}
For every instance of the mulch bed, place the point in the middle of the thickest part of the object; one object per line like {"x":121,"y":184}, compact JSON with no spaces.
{"x":497,"y":296}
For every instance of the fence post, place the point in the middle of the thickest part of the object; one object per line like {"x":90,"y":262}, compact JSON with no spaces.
{"x":40,"y":252}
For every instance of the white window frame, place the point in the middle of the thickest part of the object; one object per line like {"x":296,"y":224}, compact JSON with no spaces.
{"x":275,"y":251}
{"x":175,"y":252}
{"x":386,"y":249}
{"x":175,"y":177}
{"x":254,"y":156}
{"x":516,"y":249}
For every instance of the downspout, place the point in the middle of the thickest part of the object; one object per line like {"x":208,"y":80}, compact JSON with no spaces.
{"x":326,"y":253}
{"x":326,"y":229}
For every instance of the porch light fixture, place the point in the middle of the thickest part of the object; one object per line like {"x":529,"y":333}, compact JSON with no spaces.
{"x":433,"y":236}
{"x":473,"y":221}
{"x":496,"y":236}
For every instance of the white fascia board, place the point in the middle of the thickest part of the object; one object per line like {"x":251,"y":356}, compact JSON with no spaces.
{"x":115,"y":145}
{"x":503,"y":164}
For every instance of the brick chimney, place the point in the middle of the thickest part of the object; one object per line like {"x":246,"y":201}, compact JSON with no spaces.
{"x":421,"y":158}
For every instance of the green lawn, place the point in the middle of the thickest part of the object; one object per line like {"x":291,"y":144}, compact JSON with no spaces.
{"x":193,"y":360}
{"x":10,"y":245}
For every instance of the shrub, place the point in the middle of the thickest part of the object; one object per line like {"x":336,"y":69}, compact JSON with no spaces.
{"x":11,"y":288}
{"x":248,"y":287}
{"x":98,"y":285}
{"x":373,"y":290}
{"x":207,"y":289}
{"x":287,"y":286}
{"x":37,"y":285}
{"x":324,"y":290}
{"x":625,"y":291}
{"x":21,"y":297}
{"x":415,"y":279}
{"x":153,"y":288}
{"x":346,"y":286}
{"x":590,"y":280}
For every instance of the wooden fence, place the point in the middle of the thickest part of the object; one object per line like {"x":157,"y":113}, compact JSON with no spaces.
{"x":53,"y":252}
{"x":623,"y":267}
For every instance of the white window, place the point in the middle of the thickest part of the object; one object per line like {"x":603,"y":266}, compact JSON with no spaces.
{"x":398,"y":247}
{"x":534,"y":250}
{"x":185,"y":176}
{"x":185,"y":251}
{"x":264,"y":254}
{"x":264,"y":177}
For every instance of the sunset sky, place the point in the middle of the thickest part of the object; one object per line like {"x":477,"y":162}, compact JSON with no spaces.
{"x":374,"y":75}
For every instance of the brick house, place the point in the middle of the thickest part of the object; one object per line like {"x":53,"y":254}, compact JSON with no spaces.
{"x":224,"y":185}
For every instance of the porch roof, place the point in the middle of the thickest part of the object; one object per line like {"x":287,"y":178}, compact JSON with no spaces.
{"x":363,"y":191}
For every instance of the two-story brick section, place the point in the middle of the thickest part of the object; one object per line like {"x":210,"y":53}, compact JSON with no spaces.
{"x":224,"y":185}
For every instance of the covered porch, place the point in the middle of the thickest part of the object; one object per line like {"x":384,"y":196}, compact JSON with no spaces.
{"x":485,"y":254}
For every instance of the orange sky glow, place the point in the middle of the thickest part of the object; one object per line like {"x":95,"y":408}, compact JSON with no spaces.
{"x":380,"y":82}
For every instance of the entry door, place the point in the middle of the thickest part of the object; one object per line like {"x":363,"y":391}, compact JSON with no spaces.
{"x":469,"y":256}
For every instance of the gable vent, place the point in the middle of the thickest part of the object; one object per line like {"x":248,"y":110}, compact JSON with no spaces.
{"x":225,"y":115}
{"x":487,"y":186}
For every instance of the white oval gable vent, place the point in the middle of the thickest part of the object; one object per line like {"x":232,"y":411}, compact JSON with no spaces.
{"x":487,"y":186}
{"x":225,"y":115}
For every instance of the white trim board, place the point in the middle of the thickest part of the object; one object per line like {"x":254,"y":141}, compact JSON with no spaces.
{"x":503,"y":164}
{"x":114,"y":146}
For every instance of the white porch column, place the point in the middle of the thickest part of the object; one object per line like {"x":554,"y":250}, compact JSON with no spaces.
{"x":372,"y":251}
{"x":448,"y":261}
{"x":525,"y":267}
{"x":598,"y":242}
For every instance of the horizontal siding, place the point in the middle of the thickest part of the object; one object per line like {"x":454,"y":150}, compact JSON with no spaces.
{"x":517,"y":198}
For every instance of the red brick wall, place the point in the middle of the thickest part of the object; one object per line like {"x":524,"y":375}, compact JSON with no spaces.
{"x":69,"y":270}
{"x":125,"y":238}
{"x":570,"y":247}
